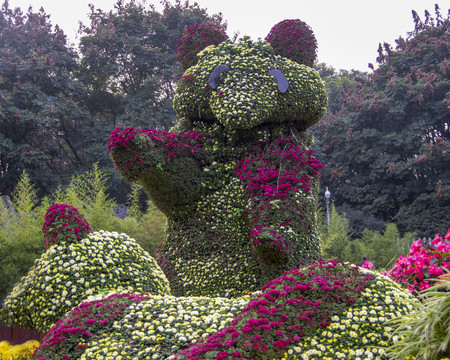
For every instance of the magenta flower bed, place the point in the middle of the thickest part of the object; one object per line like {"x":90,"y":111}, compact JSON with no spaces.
{"x":423,"y":264}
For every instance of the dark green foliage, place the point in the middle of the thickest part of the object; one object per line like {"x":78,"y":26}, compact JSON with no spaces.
{"x":358,"y":221}
{"x":44,"y":126}
{"x":386,"y":140}
{"x":130,"y":60}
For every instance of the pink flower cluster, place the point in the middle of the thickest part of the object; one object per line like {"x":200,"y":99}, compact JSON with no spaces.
{"x":274,"y":172}
{"x":63,"y":223}
{"x":294,"y":40}
{"x":278,"y":170}
{"x":423,"y":263}
{"x":195,"y":39}
{"x":367,"y":265}
{"x":298,"y":302}
{"x":81,"y":323}
{"x":141,"y":154}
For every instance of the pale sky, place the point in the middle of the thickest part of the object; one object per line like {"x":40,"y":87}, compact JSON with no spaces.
{"x":347,"y":31}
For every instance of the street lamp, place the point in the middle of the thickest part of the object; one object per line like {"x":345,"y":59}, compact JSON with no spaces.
{"x":327,"y":197}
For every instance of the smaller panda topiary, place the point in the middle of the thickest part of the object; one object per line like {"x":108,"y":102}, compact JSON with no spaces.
{"x":69,"y":271}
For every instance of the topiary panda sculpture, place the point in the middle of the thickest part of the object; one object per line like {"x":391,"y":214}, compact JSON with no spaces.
{"x":234,"y":177}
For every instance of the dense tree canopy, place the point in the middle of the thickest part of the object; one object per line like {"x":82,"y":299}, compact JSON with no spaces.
{"x":43,"y":123}
{"x":385,"y":141}
{"x":130,"y":60}
{"x":57,"y":110}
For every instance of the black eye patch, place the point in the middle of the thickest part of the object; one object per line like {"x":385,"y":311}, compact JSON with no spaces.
{"x":214,"y":78}
{"x":283,"y":83}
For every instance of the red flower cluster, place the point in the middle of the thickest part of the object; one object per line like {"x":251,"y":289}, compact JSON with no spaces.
{"x":195,"y":39}
{"x":137,"y":158}
{"x":294,"y":40}
{"x":63,"y":223}
{"x":80,"y":323}
{"x":300,"y":301}
{"x":423,"y":263}
{"x":273,"y":173}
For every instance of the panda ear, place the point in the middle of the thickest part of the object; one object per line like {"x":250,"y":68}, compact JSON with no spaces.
{"x":294,"y":40}
{"x":195,"y":39}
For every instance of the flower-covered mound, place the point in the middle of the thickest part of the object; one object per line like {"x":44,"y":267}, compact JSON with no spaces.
{"x":123,"y":326}
{"x":67,"y":273}
{"x":328,"y":310}
{"x":424,"y":263}
{"x":247,"y":94}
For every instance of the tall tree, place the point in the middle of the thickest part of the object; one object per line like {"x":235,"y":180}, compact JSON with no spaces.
{"x":43,"y":123}
{"x":130,"y":59}
{"x":387,"y":145}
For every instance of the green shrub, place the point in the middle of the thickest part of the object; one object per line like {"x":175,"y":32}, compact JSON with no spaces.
{"x":20,"y":234}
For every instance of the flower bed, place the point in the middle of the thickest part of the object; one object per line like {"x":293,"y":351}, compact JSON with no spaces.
{"x":124,"y":326}
{"x":423,"y":264}
{"x":325,"y":311}
{"x":328,"y":310}
{"x":17,"y":352}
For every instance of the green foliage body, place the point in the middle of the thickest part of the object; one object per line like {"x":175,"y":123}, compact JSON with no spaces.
{"x":386,"y":140}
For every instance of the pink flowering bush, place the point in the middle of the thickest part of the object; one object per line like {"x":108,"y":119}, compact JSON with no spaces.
{"x":64,"y":223}
{"x":195,"y":39}
{"x":423,"y":263}
{"x":304,"y":49}
{"x":367,"y":265}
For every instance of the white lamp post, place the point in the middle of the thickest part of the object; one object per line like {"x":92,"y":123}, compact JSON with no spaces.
{"x":327,"y":197}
